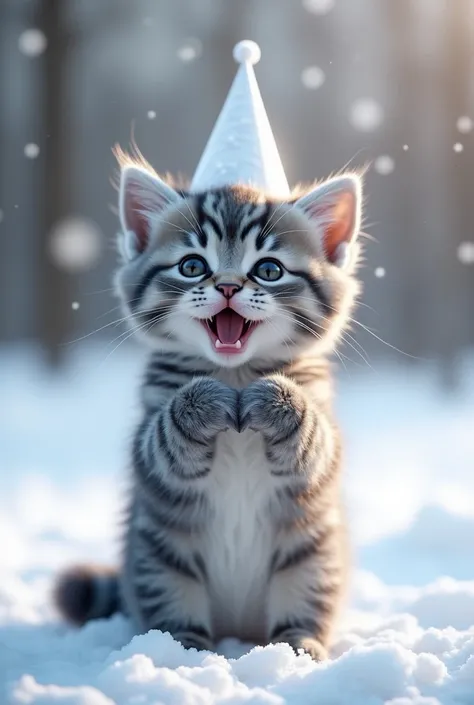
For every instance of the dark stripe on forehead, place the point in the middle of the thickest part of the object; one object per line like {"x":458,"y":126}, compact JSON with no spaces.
{"x":316,"y":289}
{"x":201,"y":235}
{"x":260,"y":221}
{"x":208,"y":217}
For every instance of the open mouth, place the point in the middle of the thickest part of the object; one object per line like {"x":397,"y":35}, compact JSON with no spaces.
{"x":229,"y":331}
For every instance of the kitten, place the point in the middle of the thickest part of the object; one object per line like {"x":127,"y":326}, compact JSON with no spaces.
{"x":235,"y":525}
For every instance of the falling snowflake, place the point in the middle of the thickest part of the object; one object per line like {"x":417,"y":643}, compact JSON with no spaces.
{"x":151,"y":114}
{"x":319,"y":7}
{"x":384,"y":164}
{"x":465,"y":124}
{"x":75,"y":244}
{"x":75,"y":305}
{"x":31,"y":150}
{"x":405,"y":148}
{"x":366,"y":114}
{"x":32,"y":42}
{"x":379,"y":272}
{"x":313,"y":77}
{"x":458,"y":147}
{"x":190,"y":50}
{"x":466,"y":252}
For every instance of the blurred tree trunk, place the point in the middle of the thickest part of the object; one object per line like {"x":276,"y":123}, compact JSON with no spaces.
{"x":55,"y":284}
{"x":452,"y":306}
{"x":404,"y":121}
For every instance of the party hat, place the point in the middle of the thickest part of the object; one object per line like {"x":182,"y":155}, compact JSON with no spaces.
{"x":242,"y":148}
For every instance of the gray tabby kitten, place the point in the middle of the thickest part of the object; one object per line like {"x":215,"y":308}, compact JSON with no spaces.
{"x":235,"y":525}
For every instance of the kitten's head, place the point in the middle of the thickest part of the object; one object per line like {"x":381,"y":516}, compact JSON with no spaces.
{"x":232,"y":275}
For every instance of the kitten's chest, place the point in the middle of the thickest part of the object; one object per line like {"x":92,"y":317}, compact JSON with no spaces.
{"x":240,"y":536}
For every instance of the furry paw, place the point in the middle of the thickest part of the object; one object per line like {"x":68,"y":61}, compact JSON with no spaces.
{"x":312,"y":647}
{"x":204,"y":407}
{"x":274,"y":406}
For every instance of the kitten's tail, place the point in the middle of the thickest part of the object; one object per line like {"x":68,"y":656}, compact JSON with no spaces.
{"x":87,"y":592}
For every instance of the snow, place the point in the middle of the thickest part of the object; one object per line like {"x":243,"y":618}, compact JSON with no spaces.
{"x":366,"y":114}
{"x":464,"y":124}
{"x":313,"y":77}
{"x":407,"y":635}
{"x":151,"y":114}
{"x":31,"y":150}
{"x":405,"y":148}
{"x":75,"y":305}
{"x":384,"y":164}
{"x":458,"y":147}
{"x":319,"y":7}
{"x":75,"y":243}
{"x":32,"y":42}
{"x":466,"y":252}
{"x":379,"y":272}
{"x":190,"y":50}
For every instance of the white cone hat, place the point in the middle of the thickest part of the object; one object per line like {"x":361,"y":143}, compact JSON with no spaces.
{"x":241,"y":148}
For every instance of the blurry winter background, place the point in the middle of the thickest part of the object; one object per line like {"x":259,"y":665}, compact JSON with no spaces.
{"x":344,"y":82}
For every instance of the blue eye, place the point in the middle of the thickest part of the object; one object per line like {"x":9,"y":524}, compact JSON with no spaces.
{"x":268,"y":269}
{"x":193,"y":266}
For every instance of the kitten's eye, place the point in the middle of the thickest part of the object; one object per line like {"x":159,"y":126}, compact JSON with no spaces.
{"x":268,"y":269}
{"x":193,"y":266}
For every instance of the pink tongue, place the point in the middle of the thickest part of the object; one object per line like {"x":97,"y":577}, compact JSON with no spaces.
{"x":229,"y":326}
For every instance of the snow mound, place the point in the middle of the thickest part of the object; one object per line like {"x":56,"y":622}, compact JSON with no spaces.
{"x":397,"y":662}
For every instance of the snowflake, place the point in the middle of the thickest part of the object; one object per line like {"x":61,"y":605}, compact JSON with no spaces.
{"x":379,"y":272}
{"x":151,"y":114}
{"x":75,"y":244}
{"x":405,"y":148}
{"x":458,"y":147}
{"x":466,"y":252}
{"x":75,"y":305}
{"x":384,"y":164}
{"x":366,"y":114}
{"x":190,"y":50}
{"x":313,"y":77}
{"x":31,"y":150}
{"x":32,"y":42}
{"x":319,"y":7}
{"x":464,"y":124}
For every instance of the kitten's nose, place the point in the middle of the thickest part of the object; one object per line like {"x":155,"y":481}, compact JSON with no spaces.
{"x":228,"y":289}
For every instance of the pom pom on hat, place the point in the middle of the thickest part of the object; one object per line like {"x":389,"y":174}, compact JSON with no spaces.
{"x":247,"y":51}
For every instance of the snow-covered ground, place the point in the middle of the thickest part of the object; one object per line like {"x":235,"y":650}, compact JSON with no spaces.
{"x":408,"y":633}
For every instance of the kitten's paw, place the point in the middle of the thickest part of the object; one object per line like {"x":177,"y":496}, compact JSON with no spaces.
{"x":312,"y":647}
{"x":204,"y":407}
{"x":303,"y":642}
{"x":274,"y":405}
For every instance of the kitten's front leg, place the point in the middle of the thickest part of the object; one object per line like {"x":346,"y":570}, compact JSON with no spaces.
{"x":307,"y":566}
{"x":164,"y":577}
{"x":298,"y":435}
{"x":182,"y":435}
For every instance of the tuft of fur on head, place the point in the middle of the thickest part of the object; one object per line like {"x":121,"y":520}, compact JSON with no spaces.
{"x":135,"y":158}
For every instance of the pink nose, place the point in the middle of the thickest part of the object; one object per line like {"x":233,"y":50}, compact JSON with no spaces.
{"x":228,"y":290}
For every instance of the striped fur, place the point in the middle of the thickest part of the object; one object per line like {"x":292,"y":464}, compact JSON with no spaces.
{"x":235,"y":525}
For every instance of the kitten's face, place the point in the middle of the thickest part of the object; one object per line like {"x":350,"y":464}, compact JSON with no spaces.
{"x":233,"y":277}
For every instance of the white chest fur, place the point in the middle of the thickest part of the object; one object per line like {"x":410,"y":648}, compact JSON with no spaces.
{"x":240,"y":538}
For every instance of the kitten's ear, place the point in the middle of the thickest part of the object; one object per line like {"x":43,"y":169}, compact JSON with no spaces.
{"x":335,"y":209}
{"x":143,"y":196}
